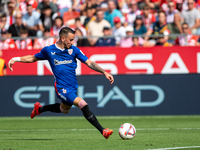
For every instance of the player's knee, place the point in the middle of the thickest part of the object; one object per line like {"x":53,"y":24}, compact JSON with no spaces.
{"x":81,"y":104}
{"x":65,"y":111}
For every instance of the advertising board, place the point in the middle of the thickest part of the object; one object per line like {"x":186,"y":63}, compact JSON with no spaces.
{"x":129,"y":95}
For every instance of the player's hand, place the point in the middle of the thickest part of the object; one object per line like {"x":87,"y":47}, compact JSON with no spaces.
{"x":10,"y":64}
{"x":109,"y":77}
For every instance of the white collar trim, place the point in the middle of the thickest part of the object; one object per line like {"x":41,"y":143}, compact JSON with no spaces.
{"x":59,"y":48}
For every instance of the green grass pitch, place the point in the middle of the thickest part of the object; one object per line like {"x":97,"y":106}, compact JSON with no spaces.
{"x":75,"y":133}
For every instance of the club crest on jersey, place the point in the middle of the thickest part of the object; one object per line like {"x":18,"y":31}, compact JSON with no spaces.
{"x":64,"y":91}
{"x":70,"y":51}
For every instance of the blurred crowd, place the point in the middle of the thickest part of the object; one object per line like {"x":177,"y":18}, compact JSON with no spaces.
{"x":122,"y":23}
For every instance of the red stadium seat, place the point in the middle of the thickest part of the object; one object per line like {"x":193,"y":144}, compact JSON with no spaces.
{"x":70,"y":15}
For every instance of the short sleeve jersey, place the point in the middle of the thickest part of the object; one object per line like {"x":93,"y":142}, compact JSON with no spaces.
{"x":63,"y":64}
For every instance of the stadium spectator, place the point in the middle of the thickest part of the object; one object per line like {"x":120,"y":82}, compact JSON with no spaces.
{"x":124,"y":19}
{"x":10,"y":15}
{"x":23,"y":5}
{"x":179,"y":6}
{"x":127,"y":41}
{"x":136,"y":42}
{"x":184,"y":5}
{"x":159,"y":27}
{"x":198,"y":42}
{"x":106,"y":41}
{"x":95,"y":28}
{"x":103,"y":6}
{"x":134,"y":12}
{"x":46,"y":41}
{"x":118,"y":30}
{"x":24,"y":43}
{"x":79,"y":26}
{"x":47,"y":17}
{"x":188,"y":39}
{"x":14,"y":29}
{"x":79,"y":41}
{"x":89,"y":17}
{"x":164,"y":5}
{"x":32,"y":2}
{"x":191,"y":16}
{"x":91,"y":4}
{"x":175,"y":26}
{"x":122,"y":4}
{"x":139,"y":27}
{"x":45,"y":3}
{"x":147,"y":17}
{"x":3,"y":66}
{"x":153,"y":4}
{"x":32,"y":21}
{"x":6,"y":42}
{"x":170,"y":13}
{"x":58,"y":24}
{"x":112,"y":12}
{"x":5,"y":4}
{"x":80,"y":5}
{"x":65,"y":5}
{"x":3,"y":23}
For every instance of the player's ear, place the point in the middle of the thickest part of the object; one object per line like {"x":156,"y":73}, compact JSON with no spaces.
{"x":62,"y":38}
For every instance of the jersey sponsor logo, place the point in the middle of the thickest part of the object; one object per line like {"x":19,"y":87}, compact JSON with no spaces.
{"x":70,"y":51}
{"x":57,"y":62}
{"x":53,"y":53}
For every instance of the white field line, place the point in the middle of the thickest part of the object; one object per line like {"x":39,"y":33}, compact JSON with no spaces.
{"x":99,"y":117}
{"x":186,"y":147}
{"x":47,"y":130}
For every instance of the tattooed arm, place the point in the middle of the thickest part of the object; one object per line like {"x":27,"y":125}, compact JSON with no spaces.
{"x":97,"y":68}
{"x":94,"y":66}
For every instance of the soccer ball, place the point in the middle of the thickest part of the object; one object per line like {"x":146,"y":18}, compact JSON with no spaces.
{"x":127,"y":131}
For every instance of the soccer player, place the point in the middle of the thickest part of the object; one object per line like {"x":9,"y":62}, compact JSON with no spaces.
{"x":62,"y":58}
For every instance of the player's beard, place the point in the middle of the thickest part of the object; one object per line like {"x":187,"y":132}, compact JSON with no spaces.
{"x":66,"y":46}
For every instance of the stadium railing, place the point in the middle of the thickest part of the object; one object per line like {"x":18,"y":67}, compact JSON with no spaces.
{"x":85,"y":37}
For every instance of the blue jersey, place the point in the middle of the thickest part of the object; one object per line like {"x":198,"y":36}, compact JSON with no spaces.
{"x":63,"y":64}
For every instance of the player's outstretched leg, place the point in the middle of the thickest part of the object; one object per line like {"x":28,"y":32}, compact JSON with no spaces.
{"x":92,"y":118}
{"x":38,"y":109}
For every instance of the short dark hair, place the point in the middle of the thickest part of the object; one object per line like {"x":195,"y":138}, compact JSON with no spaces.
{"x":23,"y":31}
{"x":8,"y":3}
{"x":3,"y":15}
{"x":98,"y":11}
{"x":146,"y":6}
{"x":29,"y":5}
{"x":184,"y":23}
{"x":88,"y":8}
{"x":58,"y":17}
{"x":66,"y":30}
{"x":46,"y":7}
{"x":77,"y":29}
{"x":46,"y":29}
{"x":162,"y":12}
{"x":77,"y":19}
